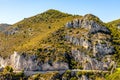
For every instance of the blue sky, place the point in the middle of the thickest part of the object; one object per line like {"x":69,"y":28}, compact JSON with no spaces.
{"x":12,"y":11}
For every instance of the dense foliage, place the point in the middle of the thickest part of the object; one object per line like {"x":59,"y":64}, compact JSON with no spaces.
{"x":114,"y":76}
{"x":115,"y":32}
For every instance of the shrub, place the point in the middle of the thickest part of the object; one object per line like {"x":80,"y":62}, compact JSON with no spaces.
{"x":80,"y":67}
{"x":8,"y":69}
{"x":114,"y":76}
{"x":73,"y":78}
{"x":79,"y":74}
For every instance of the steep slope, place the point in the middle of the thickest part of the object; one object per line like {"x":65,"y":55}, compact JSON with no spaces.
{"x":114,"y":26}
{"x":86,"y":44}
{"x":26,"y":34}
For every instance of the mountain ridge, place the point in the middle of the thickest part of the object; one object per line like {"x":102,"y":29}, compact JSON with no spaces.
{"x":54,"y":40}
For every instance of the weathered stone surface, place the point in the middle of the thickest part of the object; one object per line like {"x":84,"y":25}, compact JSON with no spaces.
{"x":55,"y":66}
{"x":29,"y":63}
{"x":96,"y":42}
{"x":95,"y":28}
{"x":103,"y":49}
{"x":89,"y":63}
{"x":78,"y":41}
{"x":20,"y":62}
{"x":91,"y":25}
{"x":69,"y":25}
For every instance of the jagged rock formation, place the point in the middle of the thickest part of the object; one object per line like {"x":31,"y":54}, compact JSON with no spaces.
{"x":89,"y":63}
{"x":93,"y":41}
{"x":20,"y":62}
{"x":30,"y":63}
{"x":85,"y":23}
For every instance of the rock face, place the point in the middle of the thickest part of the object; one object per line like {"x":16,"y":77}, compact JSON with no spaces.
{"x":93,"y":41}
{"x":29,"y":63}
{"x":90,"y":25}
{"x":20,"y":62}
{"x":89,"y":63}
{"x":25,"y":62}
{"x":55,"y":66}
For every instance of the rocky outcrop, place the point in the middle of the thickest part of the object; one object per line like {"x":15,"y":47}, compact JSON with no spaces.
{"x":78,"y":41}
{"x":102,"y":47}
{"x":24,"y":62}
{"x":30,"y":63}
{"x":88,"y":24}
{"x":20,"y":62}
{"x":92,"y":45}
{"x":55,"y":66}
{"x":89,"y":63}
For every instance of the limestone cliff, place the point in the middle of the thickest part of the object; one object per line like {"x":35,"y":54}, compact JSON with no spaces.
{"x":29,"y":63}
{"x":92,"y":43}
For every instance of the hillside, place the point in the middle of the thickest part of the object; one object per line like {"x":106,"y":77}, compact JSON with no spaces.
{"x":115,"y":29}
{"x":26,"y":34}
{"x":55,"y":41}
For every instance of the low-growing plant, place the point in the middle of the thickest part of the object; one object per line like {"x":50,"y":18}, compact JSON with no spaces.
{"x":8,"y":69}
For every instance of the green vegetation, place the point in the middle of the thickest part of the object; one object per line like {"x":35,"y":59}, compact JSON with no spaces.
{"x":31,"y":31}
{"x":113,"y":26}
{"x":8,"y":69}
{"x":114,"y":76}
{"x":8,"y":74}
{"x":46,"y":76}
{"x":44,"y":36}
{"x":68,"y":76}
{"x":73,"y":78}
